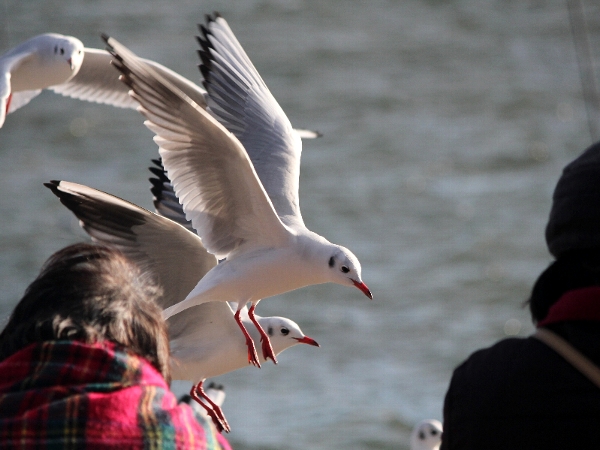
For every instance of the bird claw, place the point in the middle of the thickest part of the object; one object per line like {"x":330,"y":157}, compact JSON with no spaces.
{"x":252,"y":354}
{"x":267,"y":350}
{"x":212,"y":409}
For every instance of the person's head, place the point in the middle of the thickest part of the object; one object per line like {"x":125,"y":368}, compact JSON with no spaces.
{"x":572,"y":233}
{"x":90,"y":293}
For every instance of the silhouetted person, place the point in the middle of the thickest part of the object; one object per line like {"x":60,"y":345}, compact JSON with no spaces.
{"x":543,"y":392}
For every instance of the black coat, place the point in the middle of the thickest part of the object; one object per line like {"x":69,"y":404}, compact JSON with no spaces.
{"x":520,"y":394}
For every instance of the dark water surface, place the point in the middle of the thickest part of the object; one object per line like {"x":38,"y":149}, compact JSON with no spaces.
{"x":446,"y":125}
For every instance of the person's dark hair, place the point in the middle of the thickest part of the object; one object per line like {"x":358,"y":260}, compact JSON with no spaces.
{"x":90,"y":293}
{"x":572,"y":270}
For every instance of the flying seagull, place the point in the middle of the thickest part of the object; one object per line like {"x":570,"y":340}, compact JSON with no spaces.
{"x":235,"y":168}
{"x":62,"y":64}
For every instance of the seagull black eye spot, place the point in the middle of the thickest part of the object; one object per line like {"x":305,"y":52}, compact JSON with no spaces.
{"x":62,"y":51}
{"x":331,"y":262}
{"x":433,"y":432}
{"x":56,"y":49}
{"x":422,"y":435}
{"x":270,"y":331}
{"x":285,"y":331}
{"x":345,"y":269}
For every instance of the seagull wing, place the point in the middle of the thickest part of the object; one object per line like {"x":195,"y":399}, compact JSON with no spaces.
{"x":207,"y":165}
{"x":174,"y":256}
{"x":166,"y":202}
{"x":8,"y":64}
{"x":98,"y":81}
{"x":240,"y":100}
{"x":21,"y":98}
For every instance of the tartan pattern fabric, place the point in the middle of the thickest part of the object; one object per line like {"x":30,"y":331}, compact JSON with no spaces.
{"x":71,"y":395}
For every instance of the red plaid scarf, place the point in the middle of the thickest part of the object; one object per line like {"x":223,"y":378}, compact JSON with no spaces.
{"x":66,"y":394}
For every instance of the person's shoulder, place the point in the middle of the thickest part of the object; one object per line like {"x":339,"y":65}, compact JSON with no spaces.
{"x":506,"y":348}
{"x":507,"y":353}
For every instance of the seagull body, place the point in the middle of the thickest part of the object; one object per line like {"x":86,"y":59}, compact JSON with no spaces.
{"x":205,"y":341}
{"x":64,"y":65}
{"x":265,"y":272}
{"x":235,"y":168}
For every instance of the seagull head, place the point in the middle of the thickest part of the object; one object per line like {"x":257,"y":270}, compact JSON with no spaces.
{"x":344,"y":268}
{"x":284,"y":333}
{"x":426,"y":435}
{"x":65,"y":51}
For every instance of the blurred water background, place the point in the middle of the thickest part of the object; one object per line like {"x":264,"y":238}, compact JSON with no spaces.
{"x":446,"y":125}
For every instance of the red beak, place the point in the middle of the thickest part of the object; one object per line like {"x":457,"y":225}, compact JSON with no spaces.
{"x":363,"y":287}
{"x":70,"y":61}
{"x":307,"y":340}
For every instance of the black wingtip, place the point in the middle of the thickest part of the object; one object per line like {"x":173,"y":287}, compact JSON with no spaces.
{"x":213,"y":17}
{"x":52,"y":185}
{"x":105,"y":37}
{"x":157,"y":182}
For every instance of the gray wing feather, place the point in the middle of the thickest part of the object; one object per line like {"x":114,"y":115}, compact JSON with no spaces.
{"x":209,"y":168}
{"x":174,"y":256}
{"x":240,"y":100}
{"x":165,"y":201}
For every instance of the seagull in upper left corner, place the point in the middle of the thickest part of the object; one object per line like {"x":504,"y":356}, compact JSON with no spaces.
{"x":62,"y":64}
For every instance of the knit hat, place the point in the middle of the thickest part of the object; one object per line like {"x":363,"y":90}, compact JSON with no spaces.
{"x":574,"y":222}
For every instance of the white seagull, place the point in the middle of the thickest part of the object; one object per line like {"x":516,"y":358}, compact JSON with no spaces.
{"x":235,"y":168}
{"x":426,"y":435}
{"x":205,"y":341}
{"x":64,"y":65}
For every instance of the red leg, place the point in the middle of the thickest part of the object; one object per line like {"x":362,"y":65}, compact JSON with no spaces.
{"x":8,"y":103}
{"x":252,"y":355}
{"x":267,"y":349}
{"x":212,"y":409}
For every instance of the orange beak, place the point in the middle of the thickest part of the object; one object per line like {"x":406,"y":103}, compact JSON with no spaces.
{"x":363,"y":287}
{"x":307,"y":340}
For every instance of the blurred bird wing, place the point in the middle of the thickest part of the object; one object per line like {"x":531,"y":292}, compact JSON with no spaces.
{"x":98,"y":81}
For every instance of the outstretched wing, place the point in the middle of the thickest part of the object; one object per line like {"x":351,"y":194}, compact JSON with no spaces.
{"x":171,"y":253}
{"x":240,"y":100}
{"x":208,"y":167}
